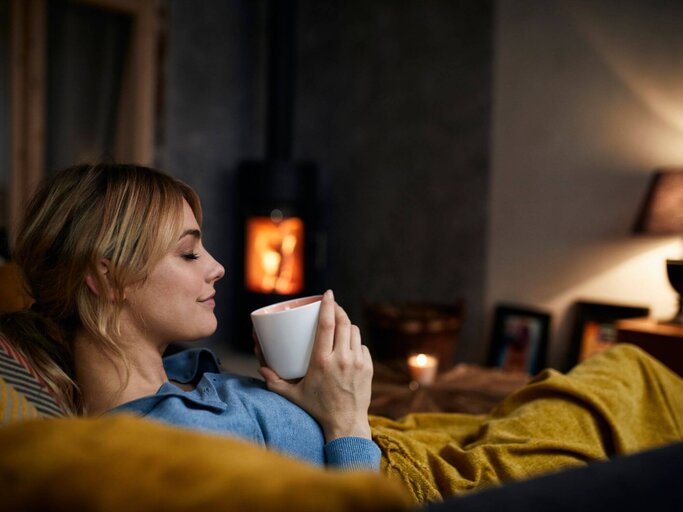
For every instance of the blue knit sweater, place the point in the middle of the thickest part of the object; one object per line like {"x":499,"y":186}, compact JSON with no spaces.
{"x":242,"y":406}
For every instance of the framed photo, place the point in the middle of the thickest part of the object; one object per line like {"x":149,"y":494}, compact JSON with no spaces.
{"x":519,"y":339}
{"x":594,"y":328}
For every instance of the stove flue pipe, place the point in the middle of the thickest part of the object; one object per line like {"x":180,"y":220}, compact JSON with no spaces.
{"x":280,"y":106}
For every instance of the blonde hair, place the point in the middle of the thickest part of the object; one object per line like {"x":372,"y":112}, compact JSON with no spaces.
{"x":128,"y":215}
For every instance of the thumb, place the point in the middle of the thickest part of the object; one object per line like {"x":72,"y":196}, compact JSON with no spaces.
{"x":275,"y":382}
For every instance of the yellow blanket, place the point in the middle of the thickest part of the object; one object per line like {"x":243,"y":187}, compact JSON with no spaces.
{"x":617,"y":402}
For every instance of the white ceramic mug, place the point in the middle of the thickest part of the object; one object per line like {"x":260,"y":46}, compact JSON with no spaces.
{"x":286,"y":332}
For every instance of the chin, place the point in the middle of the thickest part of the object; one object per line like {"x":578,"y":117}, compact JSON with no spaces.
{"x":200,"y":326}
{"x":198,"y":333}
{"x":210,"y":330}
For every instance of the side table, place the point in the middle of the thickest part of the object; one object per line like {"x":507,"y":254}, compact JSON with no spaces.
{"x":465,"y":388}
{"x":663,"y":341}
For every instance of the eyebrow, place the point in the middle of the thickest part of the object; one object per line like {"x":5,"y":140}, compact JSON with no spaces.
{"x":193,"y":232}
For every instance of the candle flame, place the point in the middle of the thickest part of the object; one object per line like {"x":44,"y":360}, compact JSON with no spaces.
{"x":421,"y":360}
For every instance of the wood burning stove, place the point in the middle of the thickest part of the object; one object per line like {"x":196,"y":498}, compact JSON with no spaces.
{"x":280,"y":236}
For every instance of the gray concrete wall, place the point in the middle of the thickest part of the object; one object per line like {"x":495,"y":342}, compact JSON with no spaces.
{"x":394,"y":104}
{"x":394,"y":107}
{"x":211,"y":116}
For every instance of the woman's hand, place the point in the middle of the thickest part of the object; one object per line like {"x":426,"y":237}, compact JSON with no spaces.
{"x":337,"y":386}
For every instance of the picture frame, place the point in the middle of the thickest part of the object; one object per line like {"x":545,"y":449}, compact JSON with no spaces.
{"x":519,"y":338}
{"x":594,"y":328}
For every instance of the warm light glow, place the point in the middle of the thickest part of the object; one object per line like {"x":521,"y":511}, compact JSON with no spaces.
{"x":274,"y":256}
{"x":622,"y":52}
{"x":422,"y":368}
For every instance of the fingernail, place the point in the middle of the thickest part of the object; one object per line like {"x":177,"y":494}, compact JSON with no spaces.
{"x":329,"y":294}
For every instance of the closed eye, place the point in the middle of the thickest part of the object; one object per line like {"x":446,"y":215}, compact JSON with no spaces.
{"x":191,"y":256}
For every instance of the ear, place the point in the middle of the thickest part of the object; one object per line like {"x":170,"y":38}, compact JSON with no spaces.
{"x":102,"y":270}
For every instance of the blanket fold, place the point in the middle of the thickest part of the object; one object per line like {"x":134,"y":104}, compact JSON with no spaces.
{"x":618,"y":402}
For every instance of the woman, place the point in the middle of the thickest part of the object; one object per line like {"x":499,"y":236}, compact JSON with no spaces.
{"x":113,"y":256}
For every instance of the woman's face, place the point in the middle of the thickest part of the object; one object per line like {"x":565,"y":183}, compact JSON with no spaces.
{"x":175,"y":302}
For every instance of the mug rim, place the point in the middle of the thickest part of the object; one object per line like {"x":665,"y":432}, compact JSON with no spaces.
{"x":262,"y":311}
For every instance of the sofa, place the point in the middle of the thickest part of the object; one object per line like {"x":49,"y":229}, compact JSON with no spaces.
{"x":49,"y":461}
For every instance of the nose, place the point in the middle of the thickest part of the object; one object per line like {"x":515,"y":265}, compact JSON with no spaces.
{"x":216,"y":270}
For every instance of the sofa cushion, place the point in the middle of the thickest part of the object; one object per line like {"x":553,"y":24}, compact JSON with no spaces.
{"x":123,"y":462}
{"x":21,"y":387}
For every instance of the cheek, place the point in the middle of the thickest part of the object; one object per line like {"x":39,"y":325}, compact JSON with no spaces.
{"x":170,"y":290}
{"x":154,"y":299}
{"x":172,"y":284}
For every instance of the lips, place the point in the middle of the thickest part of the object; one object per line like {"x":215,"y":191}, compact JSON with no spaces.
{"x":208,"y":300}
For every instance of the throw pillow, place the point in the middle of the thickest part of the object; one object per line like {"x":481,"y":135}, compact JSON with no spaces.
{"x":122,"y":462}
{"x":21,"y":384}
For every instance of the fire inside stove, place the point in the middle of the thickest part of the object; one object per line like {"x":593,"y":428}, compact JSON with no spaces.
{"x":274,"y":258}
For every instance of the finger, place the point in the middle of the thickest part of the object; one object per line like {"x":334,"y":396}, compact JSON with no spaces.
{"x":342,"y":330}
{"x":355,"y":338}
{"x":368,"y":357}
{"x":269,"y":374}
{"x":324,"y":336}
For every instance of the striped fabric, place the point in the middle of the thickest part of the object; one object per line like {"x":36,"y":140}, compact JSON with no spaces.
{"x":13,"y":405}
{"x":21,"y":381}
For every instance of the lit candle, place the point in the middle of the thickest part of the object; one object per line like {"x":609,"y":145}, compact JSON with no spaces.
{"x":423,"y":368}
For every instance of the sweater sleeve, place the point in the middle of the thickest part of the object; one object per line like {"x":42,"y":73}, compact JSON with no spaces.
{"x":353,"y":453}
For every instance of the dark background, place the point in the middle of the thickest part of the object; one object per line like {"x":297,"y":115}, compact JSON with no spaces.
{"x":393,"y":103}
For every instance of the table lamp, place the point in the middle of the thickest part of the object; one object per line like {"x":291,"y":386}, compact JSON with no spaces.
{"x":662,"y":214}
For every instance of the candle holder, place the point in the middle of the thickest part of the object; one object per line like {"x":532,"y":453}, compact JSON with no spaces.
{"x":422,"y":368}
